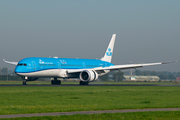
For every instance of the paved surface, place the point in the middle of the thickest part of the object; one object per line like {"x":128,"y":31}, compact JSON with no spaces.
{"x":1,"y":85}
{"x":87,"y":112}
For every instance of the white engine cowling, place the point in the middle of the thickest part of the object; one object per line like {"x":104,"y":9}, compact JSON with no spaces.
{"x":88,"y":76}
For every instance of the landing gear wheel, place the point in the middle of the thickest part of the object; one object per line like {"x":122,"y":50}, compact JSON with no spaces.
{"x":83,"y":83}
{"x":24,"y":82}
{"x":55,"y":82}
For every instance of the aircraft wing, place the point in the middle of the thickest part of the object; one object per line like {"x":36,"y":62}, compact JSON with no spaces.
{"x":129,"y":66}
{"x":119,"y":67}
{"x":13,"y":63}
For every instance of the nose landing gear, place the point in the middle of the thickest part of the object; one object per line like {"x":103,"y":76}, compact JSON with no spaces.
{"x":24,"y":82}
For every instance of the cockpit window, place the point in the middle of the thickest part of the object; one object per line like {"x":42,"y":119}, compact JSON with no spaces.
{"x":22,"y":64}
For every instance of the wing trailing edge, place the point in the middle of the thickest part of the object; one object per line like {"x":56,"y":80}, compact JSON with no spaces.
{"x":120,"y":67}
{"x":129,"y":66}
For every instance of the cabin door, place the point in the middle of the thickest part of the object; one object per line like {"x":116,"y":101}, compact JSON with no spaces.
{"x":59,"y":65}
{"x":84,"y":65}
{"x":34,"y":65}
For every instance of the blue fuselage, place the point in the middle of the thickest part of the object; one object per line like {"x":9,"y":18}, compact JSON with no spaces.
{"x":35,"y":64}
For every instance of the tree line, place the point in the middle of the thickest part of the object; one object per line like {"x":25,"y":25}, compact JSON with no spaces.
{"x":5,"y":71}
{"x":6,"y":74}
{"x":116,"y":76}
{"x":163,"y":75}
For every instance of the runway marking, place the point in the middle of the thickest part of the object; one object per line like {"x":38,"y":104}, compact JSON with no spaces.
{"x":88,"y":112}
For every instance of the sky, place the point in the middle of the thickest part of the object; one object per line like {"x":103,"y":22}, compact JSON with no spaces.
{"x":147,"y":31}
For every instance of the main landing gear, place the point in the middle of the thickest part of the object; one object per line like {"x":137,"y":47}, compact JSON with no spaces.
{"x":83,"y":83}
{"x":55,"y":82}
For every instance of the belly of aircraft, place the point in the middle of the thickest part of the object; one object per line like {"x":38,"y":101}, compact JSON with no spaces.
{"x":42,"y":73}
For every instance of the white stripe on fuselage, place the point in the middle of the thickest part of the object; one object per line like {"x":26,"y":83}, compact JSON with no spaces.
{"x":44,"y":73}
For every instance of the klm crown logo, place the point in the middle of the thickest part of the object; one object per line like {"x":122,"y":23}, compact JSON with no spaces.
{"x":109,"y":53}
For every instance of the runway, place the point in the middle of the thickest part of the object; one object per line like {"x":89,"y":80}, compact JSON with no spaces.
{"x":66,"y":85}
{"x":88,"y":112}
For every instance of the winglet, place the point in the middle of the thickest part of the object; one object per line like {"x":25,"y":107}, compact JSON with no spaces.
{"x":108,"y":54}
{"x":169,"y":62}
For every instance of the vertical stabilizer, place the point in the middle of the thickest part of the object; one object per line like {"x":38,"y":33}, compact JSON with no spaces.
{"x":109,"y":52}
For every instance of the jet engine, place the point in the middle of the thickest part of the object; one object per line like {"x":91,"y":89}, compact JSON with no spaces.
{"x":88,"y":76}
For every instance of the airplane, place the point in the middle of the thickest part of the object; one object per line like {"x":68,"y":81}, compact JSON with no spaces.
{"x":87,"y":70}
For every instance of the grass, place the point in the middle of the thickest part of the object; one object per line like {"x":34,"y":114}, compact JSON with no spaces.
{"x":40,"y":99}
{"x":165,"y":115}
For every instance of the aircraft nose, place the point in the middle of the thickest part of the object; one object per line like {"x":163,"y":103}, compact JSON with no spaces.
{"x":17,"y":70}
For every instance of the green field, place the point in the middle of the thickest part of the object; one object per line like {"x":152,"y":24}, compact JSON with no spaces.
{"x":40,"y":99}
{"x":167,"y":115}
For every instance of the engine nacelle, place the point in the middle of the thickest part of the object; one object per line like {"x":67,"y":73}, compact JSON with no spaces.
{"x":88,"y":75}
{"x":29,"y":78}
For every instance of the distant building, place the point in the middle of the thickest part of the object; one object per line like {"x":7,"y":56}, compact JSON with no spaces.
{"x":142,"y":78}
{"x":177,"y":78}
{"x":133,"y":78}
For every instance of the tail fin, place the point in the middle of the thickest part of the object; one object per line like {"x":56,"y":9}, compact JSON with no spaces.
{"x":108,"y":54}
